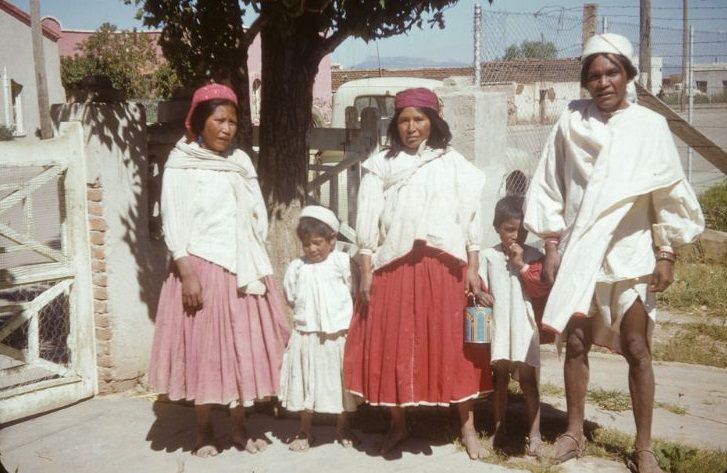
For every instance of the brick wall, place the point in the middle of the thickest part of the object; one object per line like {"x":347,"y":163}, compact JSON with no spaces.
{"x":97,"y":237}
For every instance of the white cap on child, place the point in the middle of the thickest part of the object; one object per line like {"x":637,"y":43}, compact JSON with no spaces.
{"x":321,"y":213}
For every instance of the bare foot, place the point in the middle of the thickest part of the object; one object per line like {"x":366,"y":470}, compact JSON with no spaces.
{"x":301,"y":442}
{"x":474,"y":446}
{"x":347,"y":438}
{"x":205,"y":447}
{"x":242,"y":440}
{"x":392,"y":440}
{"x":260,"y":444}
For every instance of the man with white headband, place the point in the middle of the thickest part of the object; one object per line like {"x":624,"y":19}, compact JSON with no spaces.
{"x":610,"y":199}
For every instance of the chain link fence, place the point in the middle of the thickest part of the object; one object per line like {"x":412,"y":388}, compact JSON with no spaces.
{"x":535,"y":59}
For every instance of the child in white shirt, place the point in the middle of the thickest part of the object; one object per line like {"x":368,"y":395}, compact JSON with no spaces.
{"x":318,"y":287}
{"x":511,"y":270}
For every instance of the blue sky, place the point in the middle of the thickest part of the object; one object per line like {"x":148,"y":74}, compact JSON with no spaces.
{"x":454,"y":43}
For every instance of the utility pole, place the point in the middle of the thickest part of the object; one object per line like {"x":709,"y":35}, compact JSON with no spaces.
{"x":685,"y":51}
{"x":41,"y":83}
{"x":478,"y":44}
{"x":590,"y":15}
{"x":645,"y":43}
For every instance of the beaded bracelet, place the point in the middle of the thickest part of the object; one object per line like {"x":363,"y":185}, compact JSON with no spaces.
{"x":666,"y":255}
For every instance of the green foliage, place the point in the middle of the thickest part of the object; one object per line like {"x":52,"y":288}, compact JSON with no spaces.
{"x":6,"y":134}
{"x":697,"y":287}
{"x":609,"y":399}
{"x":698,"y":343}
{"x":714,"y":206}
{"x":531,"y":50}
{"x":127,"y":58}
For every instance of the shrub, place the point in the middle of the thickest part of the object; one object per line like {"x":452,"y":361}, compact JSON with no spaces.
{"x":714,"y":206}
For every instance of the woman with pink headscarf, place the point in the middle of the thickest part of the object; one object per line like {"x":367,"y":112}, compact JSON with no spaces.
{"x":220,"y":330}
{"x":418,"y":230}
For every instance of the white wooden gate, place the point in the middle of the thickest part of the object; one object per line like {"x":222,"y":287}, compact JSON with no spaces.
{"x":47,"y":349}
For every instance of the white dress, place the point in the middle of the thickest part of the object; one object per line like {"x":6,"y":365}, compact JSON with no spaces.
{"x":516,"y":337}
{"x":312,"y":371}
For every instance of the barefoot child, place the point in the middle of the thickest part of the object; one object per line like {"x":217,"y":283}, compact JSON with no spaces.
{"x":511,"y":270}
{"x":318,"y":287}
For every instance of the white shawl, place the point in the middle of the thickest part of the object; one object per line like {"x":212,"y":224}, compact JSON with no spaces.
{"x":251,"y":226}
{"x":632,"y":154}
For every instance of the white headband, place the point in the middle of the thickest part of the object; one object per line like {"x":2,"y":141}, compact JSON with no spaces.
{"x":321,"y":213}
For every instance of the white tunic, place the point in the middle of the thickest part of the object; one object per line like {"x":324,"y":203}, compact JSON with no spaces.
{"x":320,"y":293}
{"x":611,"y":189}
{"x":516,"y":336}
{"x":433,"y":196}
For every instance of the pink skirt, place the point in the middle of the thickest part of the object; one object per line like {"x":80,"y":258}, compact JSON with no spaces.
{"x":229,"y":351}
{"x":407,"y":347}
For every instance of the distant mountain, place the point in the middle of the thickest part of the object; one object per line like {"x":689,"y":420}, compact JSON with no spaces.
{"x":404,"y":62}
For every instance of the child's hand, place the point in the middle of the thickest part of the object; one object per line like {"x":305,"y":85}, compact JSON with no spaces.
{"x":516,"y":256}
{"x":486,"y":299}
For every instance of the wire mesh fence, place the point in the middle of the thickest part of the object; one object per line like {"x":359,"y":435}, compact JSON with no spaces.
{"x":35,"y":319}
{"x":535,"y":59}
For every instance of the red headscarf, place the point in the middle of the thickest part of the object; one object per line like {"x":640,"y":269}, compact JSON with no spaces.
{"x":418,"y":97}
{"x":207,"y":92}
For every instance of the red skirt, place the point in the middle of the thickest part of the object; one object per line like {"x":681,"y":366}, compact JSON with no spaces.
{"x":407,"y":346}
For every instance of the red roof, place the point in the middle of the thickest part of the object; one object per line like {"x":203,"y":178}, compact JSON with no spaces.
{"x":48,"y":31}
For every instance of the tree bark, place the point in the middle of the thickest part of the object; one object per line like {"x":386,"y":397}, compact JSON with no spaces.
{"x":240,"y":83}
{"x":288,"y":73}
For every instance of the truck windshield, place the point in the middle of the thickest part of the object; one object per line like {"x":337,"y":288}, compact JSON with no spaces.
{"x":384,"y":103}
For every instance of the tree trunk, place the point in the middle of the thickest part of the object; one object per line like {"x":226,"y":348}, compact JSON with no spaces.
{"x":288,"y":73}
{"x":240,"y":83}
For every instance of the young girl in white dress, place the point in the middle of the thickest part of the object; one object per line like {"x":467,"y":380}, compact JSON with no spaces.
{"x":318,"y":287}
{"x":511,"y":270}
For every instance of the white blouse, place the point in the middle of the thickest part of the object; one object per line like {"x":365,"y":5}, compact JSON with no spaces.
{"x":320,"y":293}
{"x":198,"y":215}
{"x":402,"y":200}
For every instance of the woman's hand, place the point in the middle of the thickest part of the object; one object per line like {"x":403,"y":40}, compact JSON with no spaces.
{"x":474,"y":288}
{"x":191,"y":288}
{"x":191,"y":292}
{"x":551,"y":263}
{"x":662,"y":277}
{"x":364,"y":290}
{"x":367,"y":277}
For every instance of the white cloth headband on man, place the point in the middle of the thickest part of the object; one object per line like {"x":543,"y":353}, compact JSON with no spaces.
{"x":321,"y":213}
{"x":608,"y":43}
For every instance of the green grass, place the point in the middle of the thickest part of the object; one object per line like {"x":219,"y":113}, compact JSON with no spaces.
{"x":673,"y":457}
{"x":714,"y":206}
{"x":697,"y":288}
{"x":609,"y":399}
{"x":550,"y":389}
{"x":697,"y":343}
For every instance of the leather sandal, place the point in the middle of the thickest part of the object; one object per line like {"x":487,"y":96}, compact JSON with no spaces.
{"x":576,"y":452}
{"x":633,"y":466}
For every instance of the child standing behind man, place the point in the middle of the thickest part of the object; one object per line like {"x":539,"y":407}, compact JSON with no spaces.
{"x":511,"y":271}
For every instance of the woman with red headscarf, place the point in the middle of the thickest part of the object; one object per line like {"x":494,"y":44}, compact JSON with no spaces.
{"x":220,"y":330}
{"x":418,"y":231}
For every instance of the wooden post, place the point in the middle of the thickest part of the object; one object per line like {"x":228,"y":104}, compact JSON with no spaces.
{"x":645,"y":43}
{"x":685,"y":51}
{"x":41,"y":83}
{"x":590,"y":14}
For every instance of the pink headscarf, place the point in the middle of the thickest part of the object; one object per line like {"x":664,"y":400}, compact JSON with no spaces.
{"x":207,"y":92}
{"x":418,"y":97}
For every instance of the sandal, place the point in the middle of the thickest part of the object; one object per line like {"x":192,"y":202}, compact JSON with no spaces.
{"x":534,"y":449}
{"x":576,"y":452}
{"x":633,"y":466}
